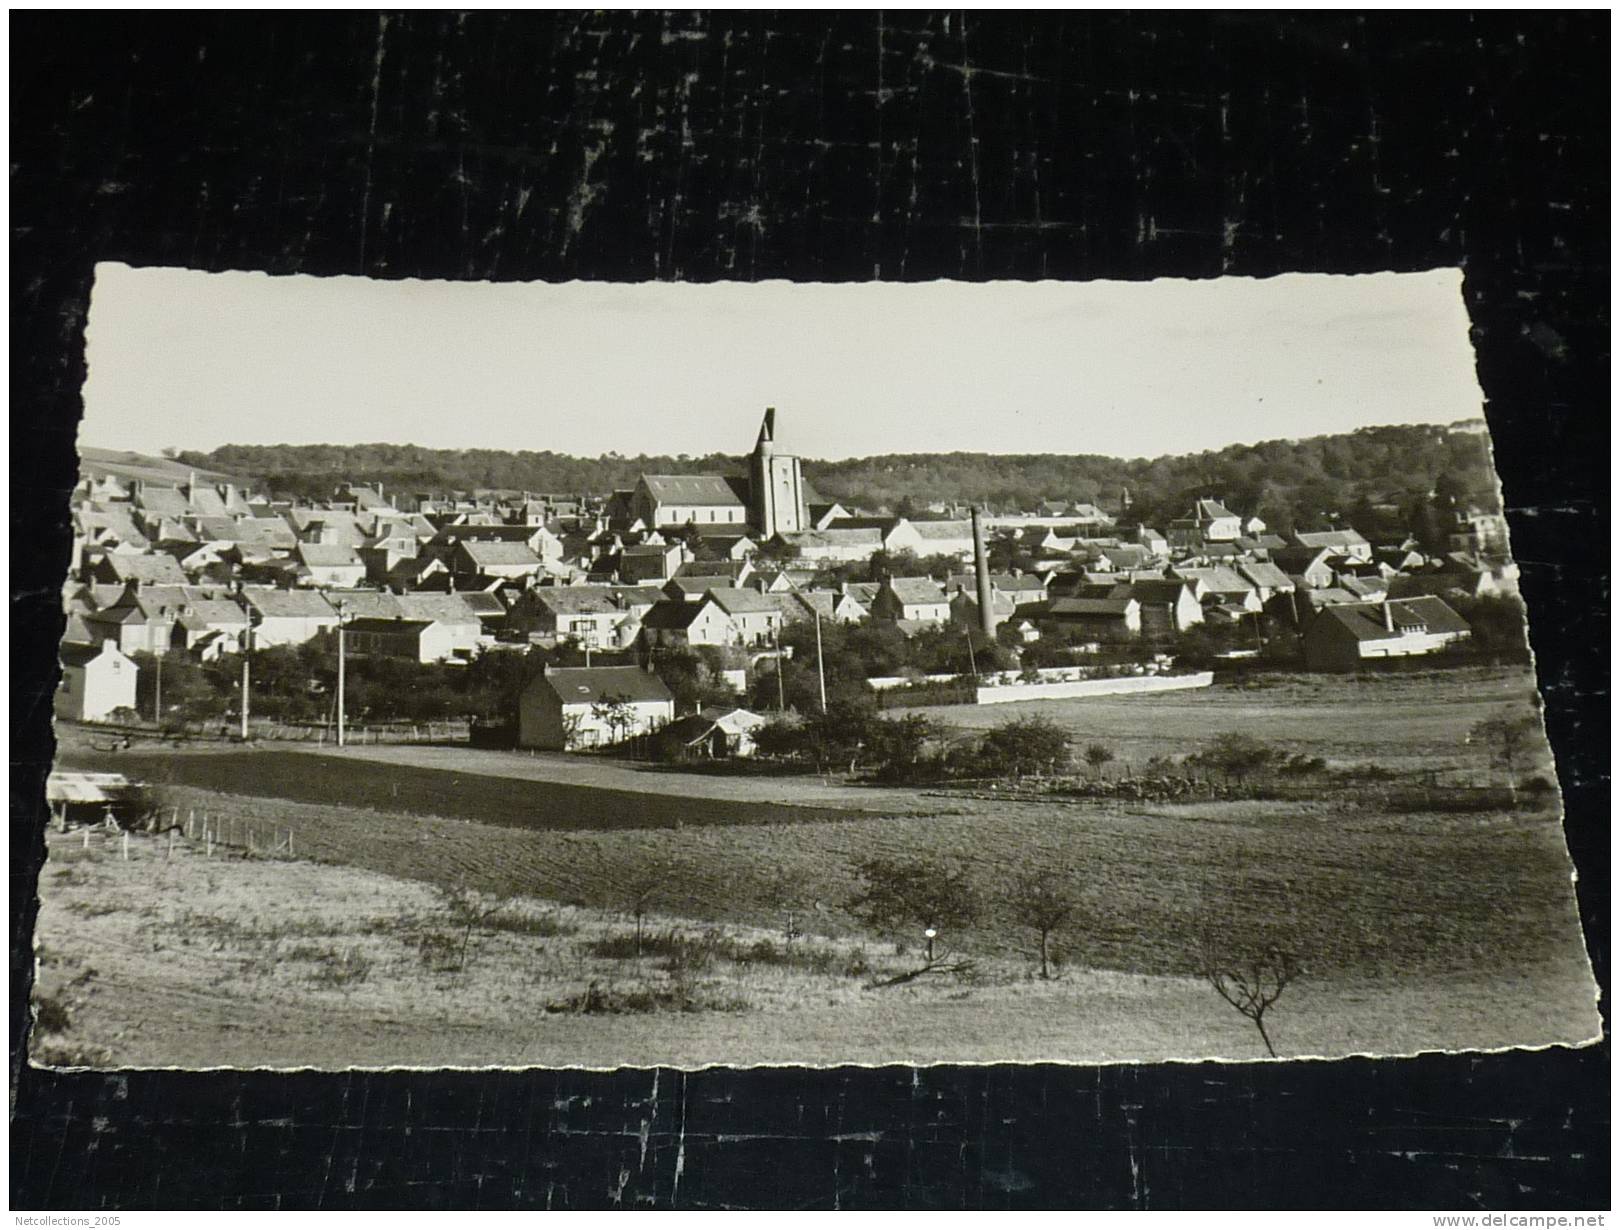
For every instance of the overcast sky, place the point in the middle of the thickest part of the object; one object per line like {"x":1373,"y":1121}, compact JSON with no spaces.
{"x":195,"y":360}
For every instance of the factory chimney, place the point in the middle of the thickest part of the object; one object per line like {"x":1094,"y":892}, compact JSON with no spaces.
{"x":981,"y":576}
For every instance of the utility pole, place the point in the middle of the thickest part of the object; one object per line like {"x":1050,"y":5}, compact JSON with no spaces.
{"x":821,"y":669}
{"x":821,"y":672}
{"x":157,"y":682}
{"x":781,"y":688}
{"x":340,"y":674}
{"x":247,"y":653}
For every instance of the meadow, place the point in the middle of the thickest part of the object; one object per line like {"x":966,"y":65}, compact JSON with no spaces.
{"x":1414,"y":929}
{"x":196,"y":961}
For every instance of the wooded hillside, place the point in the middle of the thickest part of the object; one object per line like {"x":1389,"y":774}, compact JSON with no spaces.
{"x":1290,"y":483}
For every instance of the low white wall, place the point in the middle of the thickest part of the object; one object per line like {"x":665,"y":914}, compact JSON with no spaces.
{"x":1009,"y":693}
{"x":1048,"y":674}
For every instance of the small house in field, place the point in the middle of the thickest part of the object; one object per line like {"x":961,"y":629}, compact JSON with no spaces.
{"x":716,"y":733}
{"x":96,"y":679}
{"x":564,"y":708}
{"x":1344,"y":635}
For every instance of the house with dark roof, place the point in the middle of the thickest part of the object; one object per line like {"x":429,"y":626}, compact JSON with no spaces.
{"x":715,"y":733}
{"x":117,"y":568}
{"x":565,"y":708}
{"x":965,"y":608}
{"x":649,"y":562}
{"x":414,"y":640}
{"x":911,"y":600}
{"x":606,"y":616}
{"x":1105,"y":618}
{"x":507,"y":560}
{"x":1345,"y":635}
{"x":1340,"y":542}
{"x":1167,"y":605}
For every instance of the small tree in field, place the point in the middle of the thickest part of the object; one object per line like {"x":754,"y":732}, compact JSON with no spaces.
{"x":1025,"y":746}
{"x":1250,"y":984}
{"x":1236,"y":755}
{"x":640,"y":894}
{"x":1509,"y":740}
{"x":1043,"y":903}
{"x":468,"y":913}
{"x":917,"y":896}
{"x":1097,"y":755}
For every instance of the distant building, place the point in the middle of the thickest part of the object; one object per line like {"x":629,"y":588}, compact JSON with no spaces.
{"x":572,"y":707}
{"x":414,"y":640}
{"x":911,"y":600}
{"x":716,"y":733}
{"x":1344,"y":635}
{"x":96,"y":679}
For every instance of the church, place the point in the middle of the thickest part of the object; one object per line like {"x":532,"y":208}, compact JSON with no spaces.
{"x":773,"y":498}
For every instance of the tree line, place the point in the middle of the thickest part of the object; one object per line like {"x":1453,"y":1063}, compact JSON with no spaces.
{"x":1353,"y":478}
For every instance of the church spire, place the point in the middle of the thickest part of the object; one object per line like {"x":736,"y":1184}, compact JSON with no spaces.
{"x":767,"y":429}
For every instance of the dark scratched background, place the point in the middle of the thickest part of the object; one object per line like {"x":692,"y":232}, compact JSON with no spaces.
{"x":837,"y":147}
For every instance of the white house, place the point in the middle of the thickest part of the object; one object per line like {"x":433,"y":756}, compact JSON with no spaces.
{"x":288,"y":616}
{"x":96,"y":679}
{"x":565,"y":708}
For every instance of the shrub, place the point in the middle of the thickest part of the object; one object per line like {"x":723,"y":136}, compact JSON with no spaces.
{"x":1023,"y":746}
{"x":340,"y":969}
{"x":51,"y":1015}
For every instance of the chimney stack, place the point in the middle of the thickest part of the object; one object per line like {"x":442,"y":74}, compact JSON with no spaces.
{"x":981,"y":573}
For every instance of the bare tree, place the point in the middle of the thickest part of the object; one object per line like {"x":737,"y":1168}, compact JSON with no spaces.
{"x":641,"y":892}
{"x":1042,"y":902}
{"x":1250,"y":984}
{"x":615,"y":713}
{"x":469,"y":911}
{"x":1509,"y":740}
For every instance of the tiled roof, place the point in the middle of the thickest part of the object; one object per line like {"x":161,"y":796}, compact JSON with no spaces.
{"x":745,"y":602}
{"x":589,"y":685}
{"x":695,"y":489}
{"x":289,"y":604}
{"x":914,"y":591}
{"x":500,"y":554}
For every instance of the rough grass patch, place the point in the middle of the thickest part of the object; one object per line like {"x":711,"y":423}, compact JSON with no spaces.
{"x":341,"y":969}
{"x":94,"y":909}
{"x":599,"y":1000}
{"x":522,"y":922}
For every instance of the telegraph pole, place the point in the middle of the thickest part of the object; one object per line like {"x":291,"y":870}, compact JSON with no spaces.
{"x":340,"y":674}
{"x":821,"y":673}
{"x":247,"y":653}
{"x":781,"y":688}
{"x":157,"y":682}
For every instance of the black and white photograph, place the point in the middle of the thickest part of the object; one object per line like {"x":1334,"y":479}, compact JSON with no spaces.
{"x":591,"y":675}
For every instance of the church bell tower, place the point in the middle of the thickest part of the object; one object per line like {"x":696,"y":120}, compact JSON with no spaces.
{"x":776,"y":496}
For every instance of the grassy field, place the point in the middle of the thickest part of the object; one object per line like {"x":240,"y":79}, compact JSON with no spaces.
{"x":231,"y":961}
{"x":391,"y":783}
{"x":1402,"y":722}
{"x":1414,"y":929}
